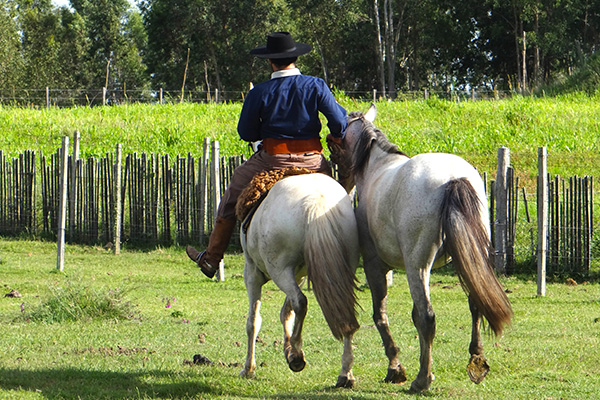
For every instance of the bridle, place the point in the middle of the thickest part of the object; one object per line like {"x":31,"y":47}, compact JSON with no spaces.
{"x":354,"y":120}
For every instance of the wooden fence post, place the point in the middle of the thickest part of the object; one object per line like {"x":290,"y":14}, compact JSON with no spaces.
{"x":117,"y":196}
{"x":501,"y":188}
{"x":73,"y":188}
{"x":62,"y":209}
{"x":216,"y":193}
{"x":542,"y":220}
{"x":204,"y":185}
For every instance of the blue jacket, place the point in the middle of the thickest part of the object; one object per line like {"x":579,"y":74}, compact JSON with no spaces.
{"x":287,"y":107}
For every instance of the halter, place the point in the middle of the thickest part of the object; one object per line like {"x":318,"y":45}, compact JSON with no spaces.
{"x":354,"y":120}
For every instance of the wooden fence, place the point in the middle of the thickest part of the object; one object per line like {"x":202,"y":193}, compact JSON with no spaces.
{"x":169,"y":201}
{"x":570,"y":224}
{"x":164,"y":200}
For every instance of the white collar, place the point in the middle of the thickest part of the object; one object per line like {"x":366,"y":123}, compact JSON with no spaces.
{"x":285,"y":72}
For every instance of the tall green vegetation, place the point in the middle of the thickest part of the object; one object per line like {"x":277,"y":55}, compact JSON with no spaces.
{"x":566,"y":125}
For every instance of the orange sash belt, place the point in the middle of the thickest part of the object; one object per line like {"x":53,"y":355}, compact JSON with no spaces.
{"x":292,"y":146}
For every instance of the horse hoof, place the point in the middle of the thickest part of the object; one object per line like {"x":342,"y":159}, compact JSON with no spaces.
{"x":344,"y":382}
{"x":297,"y":364}
{"x":247,"y":374}
{"x":396,"y":375}
{"x":416,"y":387}
{"x":477,"y":368}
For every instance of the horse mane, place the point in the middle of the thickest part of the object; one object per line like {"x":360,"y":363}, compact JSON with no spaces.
{"x":369,"y":137}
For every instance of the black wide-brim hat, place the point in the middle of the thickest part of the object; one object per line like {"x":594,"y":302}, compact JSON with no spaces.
{"x":281,"y":45}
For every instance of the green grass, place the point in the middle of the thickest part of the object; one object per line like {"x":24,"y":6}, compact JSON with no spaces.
{"x":134,"y":346}
{"x":568,"y":126}
{"x":550,"y":351}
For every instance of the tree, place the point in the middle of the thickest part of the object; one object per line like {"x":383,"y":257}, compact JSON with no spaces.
{"x":330,"y":27}
{"x":11,"y":62}
{"x":75,"y":70}
{"x":39,"y":25}
{"x":218,"y":34}
{"x":112,"y":55}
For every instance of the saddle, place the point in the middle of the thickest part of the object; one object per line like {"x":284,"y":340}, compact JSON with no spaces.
{"x":258,"y":188}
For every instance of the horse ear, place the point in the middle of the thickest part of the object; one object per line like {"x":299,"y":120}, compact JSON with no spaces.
{"x":370,"y":115}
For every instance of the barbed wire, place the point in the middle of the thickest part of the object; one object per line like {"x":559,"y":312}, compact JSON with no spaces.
{"x":65,"y":97}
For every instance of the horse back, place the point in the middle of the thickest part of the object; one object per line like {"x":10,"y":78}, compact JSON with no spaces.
{"x":279,"y":225}
{"x":402,"y":206}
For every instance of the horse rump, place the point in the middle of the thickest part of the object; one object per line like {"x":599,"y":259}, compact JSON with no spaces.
{"x":467,"y":240}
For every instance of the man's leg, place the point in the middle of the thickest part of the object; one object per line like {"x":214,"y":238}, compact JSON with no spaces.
{"x":209,"y":260}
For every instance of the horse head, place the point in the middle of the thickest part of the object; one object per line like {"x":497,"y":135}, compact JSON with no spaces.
{"x":351,"y":153}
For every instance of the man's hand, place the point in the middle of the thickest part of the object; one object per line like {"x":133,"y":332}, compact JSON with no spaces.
{"x":331,"y":138}
{"x":334,"y":144}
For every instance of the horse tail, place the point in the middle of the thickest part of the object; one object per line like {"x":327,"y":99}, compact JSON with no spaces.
{"x":331,"y":256}
{"x":467,"y":240}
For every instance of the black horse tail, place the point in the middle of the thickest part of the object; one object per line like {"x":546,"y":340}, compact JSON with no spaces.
{"x":467,"y":240}
{"x":331,"y":255}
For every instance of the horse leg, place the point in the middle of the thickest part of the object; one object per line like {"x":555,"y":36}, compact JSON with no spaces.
{"x":478,"y":367}
{"x":375,"y":273}
{"x":346,"y":378}
{"x":424,"y":320}
{"x":292,"y":318}
{"x":254,"y":281}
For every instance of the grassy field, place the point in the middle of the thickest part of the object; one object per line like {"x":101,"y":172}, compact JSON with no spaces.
{"x":568,"y":126}
{"x":167,"y":311}
{"x":123,"y":327}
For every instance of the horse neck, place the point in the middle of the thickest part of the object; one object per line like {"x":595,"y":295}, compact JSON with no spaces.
{"x":379,"y":163}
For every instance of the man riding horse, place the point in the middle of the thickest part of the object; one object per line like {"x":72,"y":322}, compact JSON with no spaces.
{"x":284,"y":113}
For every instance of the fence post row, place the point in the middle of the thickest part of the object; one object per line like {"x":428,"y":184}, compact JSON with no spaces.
{"x":151,"y":200}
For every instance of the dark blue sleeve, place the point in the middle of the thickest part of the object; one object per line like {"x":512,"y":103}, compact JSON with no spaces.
{"x":335,"y":114}
{"x":249,"y":122}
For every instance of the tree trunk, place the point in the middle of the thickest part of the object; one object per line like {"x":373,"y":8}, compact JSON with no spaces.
{"x":319,"y":51}
{"x":390,"y":48}
{"x":518,"y":29}
{"x":380,"y":54}
{"x":524,"y":62}
{"x":536,"y":52}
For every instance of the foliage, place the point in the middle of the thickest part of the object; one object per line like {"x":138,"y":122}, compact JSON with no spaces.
{"x":114,"y":55}
{"x":566,"y":125}
{"x":76,"y":302}
{"x":10,"y":63}
{"x":359,"y":44}
{"x":216,"y":35}
{"x":585,"y":79}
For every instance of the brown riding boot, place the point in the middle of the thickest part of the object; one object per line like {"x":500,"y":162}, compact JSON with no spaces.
{"x":209,"y":259}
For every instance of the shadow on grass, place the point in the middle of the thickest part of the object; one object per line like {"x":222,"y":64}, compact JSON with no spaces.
{"x":70,"y":383}
{"x":333,"y":393}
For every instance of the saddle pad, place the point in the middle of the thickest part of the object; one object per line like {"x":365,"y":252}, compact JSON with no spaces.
{"x":259,"y":186}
